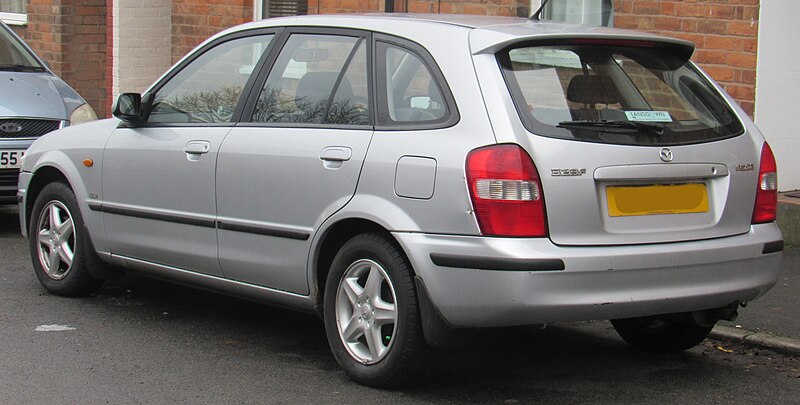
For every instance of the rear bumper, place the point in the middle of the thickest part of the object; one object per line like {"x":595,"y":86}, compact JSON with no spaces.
{"x":511,"y":284}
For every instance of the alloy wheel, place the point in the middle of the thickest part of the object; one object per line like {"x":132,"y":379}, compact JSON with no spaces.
{"x":366,"y":311}
{"x":56,"y":240}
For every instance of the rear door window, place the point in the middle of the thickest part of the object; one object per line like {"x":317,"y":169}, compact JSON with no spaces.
{"x":622,"y":94}
{"x":317,"y":79}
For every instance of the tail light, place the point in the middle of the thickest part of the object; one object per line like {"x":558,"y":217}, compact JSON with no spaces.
{"x":766,"y":206}
{"x":506,"y":192}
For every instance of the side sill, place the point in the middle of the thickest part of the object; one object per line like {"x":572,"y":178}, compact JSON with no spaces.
{"x":496,"y":264}
{"x":261,"y":294}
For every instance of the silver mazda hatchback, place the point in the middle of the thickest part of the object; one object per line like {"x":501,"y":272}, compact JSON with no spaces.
{"x":409,"y":176}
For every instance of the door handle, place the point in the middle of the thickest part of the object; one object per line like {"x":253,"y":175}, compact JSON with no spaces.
{"x":197,"y":147}
{"x":336,"y":153}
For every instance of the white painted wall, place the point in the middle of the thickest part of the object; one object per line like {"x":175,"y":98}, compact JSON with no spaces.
{"x":142,"y":43}
{"x":778,"y":86}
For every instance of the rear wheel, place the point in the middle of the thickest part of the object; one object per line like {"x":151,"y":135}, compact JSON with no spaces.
{"x":371,"y":312}
{"x":58,"y":243}
{"x":662,"y":336}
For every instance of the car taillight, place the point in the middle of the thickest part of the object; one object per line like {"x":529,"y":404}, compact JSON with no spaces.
{"x":767,"y":192}
{"x":506,"y":192}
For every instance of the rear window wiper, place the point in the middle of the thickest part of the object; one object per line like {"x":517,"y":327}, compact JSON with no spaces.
{"x":615,"y":126}
{"x":21,"y":68}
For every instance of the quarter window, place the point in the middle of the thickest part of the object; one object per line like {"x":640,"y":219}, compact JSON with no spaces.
{"x":410,"y":94}
{"x":317,"y":79}
{"x":208,"y":89}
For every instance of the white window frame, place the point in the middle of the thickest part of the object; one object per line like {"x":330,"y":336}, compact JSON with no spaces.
{"x":258,"y":10}
{"x":14,"y":18}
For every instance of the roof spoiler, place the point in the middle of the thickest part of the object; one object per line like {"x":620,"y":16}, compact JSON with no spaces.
{"x":679,"y":47}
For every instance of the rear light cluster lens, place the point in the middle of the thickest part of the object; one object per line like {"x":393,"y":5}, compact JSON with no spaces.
{"x":506,"y":192}
{"x":766,"y":207}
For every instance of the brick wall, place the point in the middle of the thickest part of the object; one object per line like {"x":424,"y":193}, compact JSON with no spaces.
{"x":195,"y":20}
{"x":71,"y":37}
{"x":725,"y":32}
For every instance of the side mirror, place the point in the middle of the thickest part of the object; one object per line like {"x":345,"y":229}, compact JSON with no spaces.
{"x":128,"y":108}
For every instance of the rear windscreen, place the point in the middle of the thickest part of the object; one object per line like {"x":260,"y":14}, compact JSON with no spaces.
{"x":619,"y":94}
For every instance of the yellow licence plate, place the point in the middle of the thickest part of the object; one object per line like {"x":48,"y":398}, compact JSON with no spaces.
{"x":655,"y":200}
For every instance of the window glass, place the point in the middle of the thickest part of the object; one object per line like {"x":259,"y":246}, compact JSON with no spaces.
{"x":310,"y":69}
{"x":14,"y":56}
{"x":584,"y":12}
{"x":208,"y":89}
{"x":12,"y":6}
{"x":281,"y":8}
{"x":350,"y":104}
{"x":616,"y":94}
{"x":412,"y":95}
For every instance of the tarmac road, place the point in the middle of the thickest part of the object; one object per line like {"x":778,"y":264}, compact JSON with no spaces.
{"x":139,"y":340}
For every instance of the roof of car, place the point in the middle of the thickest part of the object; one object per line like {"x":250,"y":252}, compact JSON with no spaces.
{"x":489,"y":32}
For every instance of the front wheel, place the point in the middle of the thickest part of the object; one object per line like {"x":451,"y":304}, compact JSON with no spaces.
{"x":661,"y":336}
{"x":371,"y":314}
{"x":59,"y":244}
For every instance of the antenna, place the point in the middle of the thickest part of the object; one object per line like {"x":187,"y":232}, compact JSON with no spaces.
{"x":538,"y":14}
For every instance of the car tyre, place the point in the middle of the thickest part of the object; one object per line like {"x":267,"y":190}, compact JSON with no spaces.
{"x":371,"y":312}
{"x":655,"y":335}
{"x":59,"y":243}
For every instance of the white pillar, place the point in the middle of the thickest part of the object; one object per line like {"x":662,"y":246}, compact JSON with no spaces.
{"x":142,"y":49}
{"x":778,"y":86}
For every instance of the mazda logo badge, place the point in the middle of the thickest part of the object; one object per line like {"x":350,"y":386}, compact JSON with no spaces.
{"x":665,"y":154}
{"x":10,"y":127}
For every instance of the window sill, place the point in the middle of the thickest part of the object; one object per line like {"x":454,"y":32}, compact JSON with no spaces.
{"x":14,"y":18}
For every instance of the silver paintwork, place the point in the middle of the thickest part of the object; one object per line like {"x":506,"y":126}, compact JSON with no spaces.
{"x":268,"y":178}
{"x":135,"y":165}
{"x":598,"y":282}
{"x":294,"y":182}
{"x":362,"y":311}
{"x":56,"y":240}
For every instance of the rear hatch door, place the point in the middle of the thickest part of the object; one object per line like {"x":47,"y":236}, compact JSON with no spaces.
{"x":633,"y":143}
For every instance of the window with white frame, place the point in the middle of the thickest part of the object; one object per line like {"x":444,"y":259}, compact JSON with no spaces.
{"x":585,"y":12}
{"x":279,"y":8}
{"x":13,"y":12}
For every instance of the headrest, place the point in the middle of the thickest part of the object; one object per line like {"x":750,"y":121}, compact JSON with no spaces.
{"x":316,"y":86}
{"x":592,"y":89}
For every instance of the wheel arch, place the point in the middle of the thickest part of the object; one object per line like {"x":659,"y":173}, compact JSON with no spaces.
{"x":41,"y":177}
{"x":56,"y":165}
{"x":331,"y":241}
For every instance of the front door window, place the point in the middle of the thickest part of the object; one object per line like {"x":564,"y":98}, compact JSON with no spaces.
{"x":190,"y":97}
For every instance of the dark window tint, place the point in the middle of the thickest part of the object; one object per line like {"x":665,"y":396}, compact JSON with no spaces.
{"x":317,"y":79}
{"x":410,"y":94}
{"x":615,"y":94}
{"x":208,"y":89}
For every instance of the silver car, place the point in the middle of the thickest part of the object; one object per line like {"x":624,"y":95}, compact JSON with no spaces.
{"x":33,"y":102}
{"x":407,"y":177}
